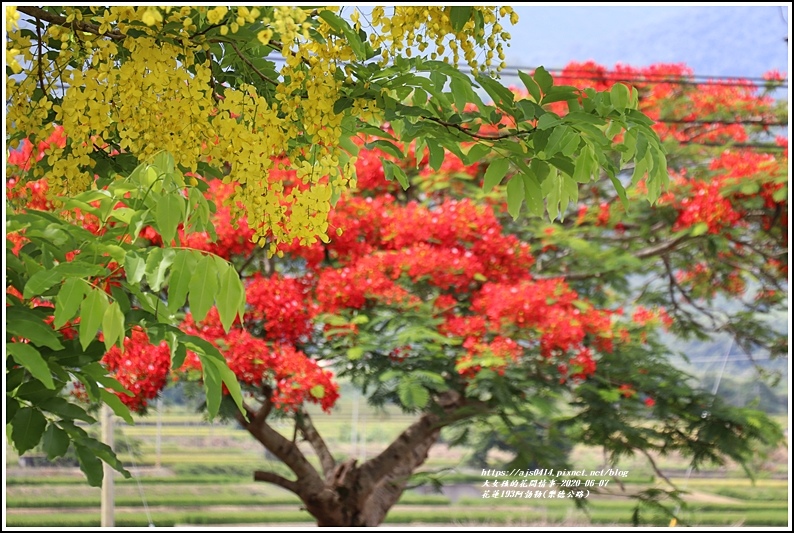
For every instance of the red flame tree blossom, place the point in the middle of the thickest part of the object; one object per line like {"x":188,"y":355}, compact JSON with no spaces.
{"x":432,"y":298}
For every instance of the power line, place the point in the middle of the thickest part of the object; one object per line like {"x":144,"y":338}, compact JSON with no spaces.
{"x":669,"y":81}
{"x":660,"y":77}
{"x":739,"y":358}
{"x":748,"y":122}
{"x":763,"y":146}
{"x":683,"y":79}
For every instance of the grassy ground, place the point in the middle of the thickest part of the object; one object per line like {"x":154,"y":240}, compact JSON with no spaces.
{"x":204,"y":477}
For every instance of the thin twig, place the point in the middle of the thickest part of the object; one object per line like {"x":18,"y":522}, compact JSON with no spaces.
{"x":248,"y":261}
{"x":569,"y":277}
{"x":205,"y":30}
{"x":270,"y":477}
{"x":40,"y":69}
{"x":656,"y":468}
{"x":662,"y":248}
{"x":461,"y":129}
{"x":87,"y":27}
{"x":248,"y":62}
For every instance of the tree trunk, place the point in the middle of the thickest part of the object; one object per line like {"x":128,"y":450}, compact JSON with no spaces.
{"x":348,"y":494}
{"x":349,"y":498}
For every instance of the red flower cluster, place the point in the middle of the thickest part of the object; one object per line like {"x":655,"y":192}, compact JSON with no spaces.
{"x":369,"y":172}
{"x":579,"y":367}
{"x":545,"y":307}
{"x":351,"y":287}
{"x":24,"y":157}
{"x":735,"y":167}
{"x":361,"y":221}
{"x":627,"y":390}
{"x":704,"y":282}
{"x":495,"y":355}
{"x":643,"y":316}
{"x":705,"y":205}
{"x":453,"y":253}
{"x":31,"y":194}
{"x":142,"y":368}
{"x":293,"y":377}
{"x":282,"y":305}
{"x":657,"y":84}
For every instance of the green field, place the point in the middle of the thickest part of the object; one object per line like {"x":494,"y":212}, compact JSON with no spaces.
{"x":205,"y":472}
{"x":165,"y":511}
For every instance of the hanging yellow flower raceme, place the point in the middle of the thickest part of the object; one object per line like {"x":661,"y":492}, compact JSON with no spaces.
{"x":139,"y":80}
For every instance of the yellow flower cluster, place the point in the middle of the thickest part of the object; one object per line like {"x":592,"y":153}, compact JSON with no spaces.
{"x":306,"y":99}
{"x":12,"y":18}
{"x":431,"y":27}
{"x":141,"y":80}
{"x":147,"y":103}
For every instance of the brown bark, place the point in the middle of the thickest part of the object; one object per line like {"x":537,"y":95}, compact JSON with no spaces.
{"x":309,"y":432}
{"x":87,"y":27}
{"x":348,"y":494}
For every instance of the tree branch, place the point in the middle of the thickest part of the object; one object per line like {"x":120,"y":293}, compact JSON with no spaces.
{"x":270,"y":477}
{"x":287,"y":451}
{"x":40,"y":14}
{"x":248,"y":261}
{"x":673,"y":285}
{"x":248,"y":62}
{"x":309,"y":432}
{"x":656,"y":468}
{"x":409,"y":443}
{"x":461,"y":129}
{"x":644,"y":253}
{"x":765,"y":254}
{"x":662,"y":248}
{"x":570,"y":277}
{"x":208,"y":28}
{"x":41,"y":57}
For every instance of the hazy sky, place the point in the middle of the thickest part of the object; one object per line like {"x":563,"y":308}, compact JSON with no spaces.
{"x":726,"y":40}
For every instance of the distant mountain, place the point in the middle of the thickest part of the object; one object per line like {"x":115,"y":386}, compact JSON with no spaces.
{"x":718,"y":40}
{"x":713,"y":40}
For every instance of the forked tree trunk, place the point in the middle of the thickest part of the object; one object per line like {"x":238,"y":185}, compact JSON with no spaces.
{"x":347,"y":494}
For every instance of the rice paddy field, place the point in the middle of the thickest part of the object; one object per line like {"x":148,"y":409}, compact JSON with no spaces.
{"x":189,"y":472}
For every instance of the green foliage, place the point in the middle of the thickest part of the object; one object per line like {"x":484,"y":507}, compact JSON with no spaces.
{"x":409,"y":383}
{"x":545,"y":160}
{"x":458,"y":515}
{"x":189,"y":500}
{"x":532,"y":436}
{"x":45,"y":358}
{"x":564,"y":150}
{"x":681,"y":418}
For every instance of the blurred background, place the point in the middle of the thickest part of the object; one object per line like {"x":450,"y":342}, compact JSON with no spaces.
{"x":184,"y":465}
{"x":741,"y":41}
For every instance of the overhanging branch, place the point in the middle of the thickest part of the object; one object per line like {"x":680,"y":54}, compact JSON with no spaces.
{"x":413,"y":440}
{"x":652,"y":251}
{"x":460,"y":128}
{"x":662,"y":248}
{"x":286,"y":450}
{"x":40,"y":14}
{"x":313,"y":437}
{"x":270,"y":477}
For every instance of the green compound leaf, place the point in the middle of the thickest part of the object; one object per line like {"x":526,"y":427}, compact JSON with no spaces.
{"x":494,"y":174}
{"x":203,"y":287}
{"x":27,"y":428}
{"x":92,"y":311}
{"x":29,"y":357}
